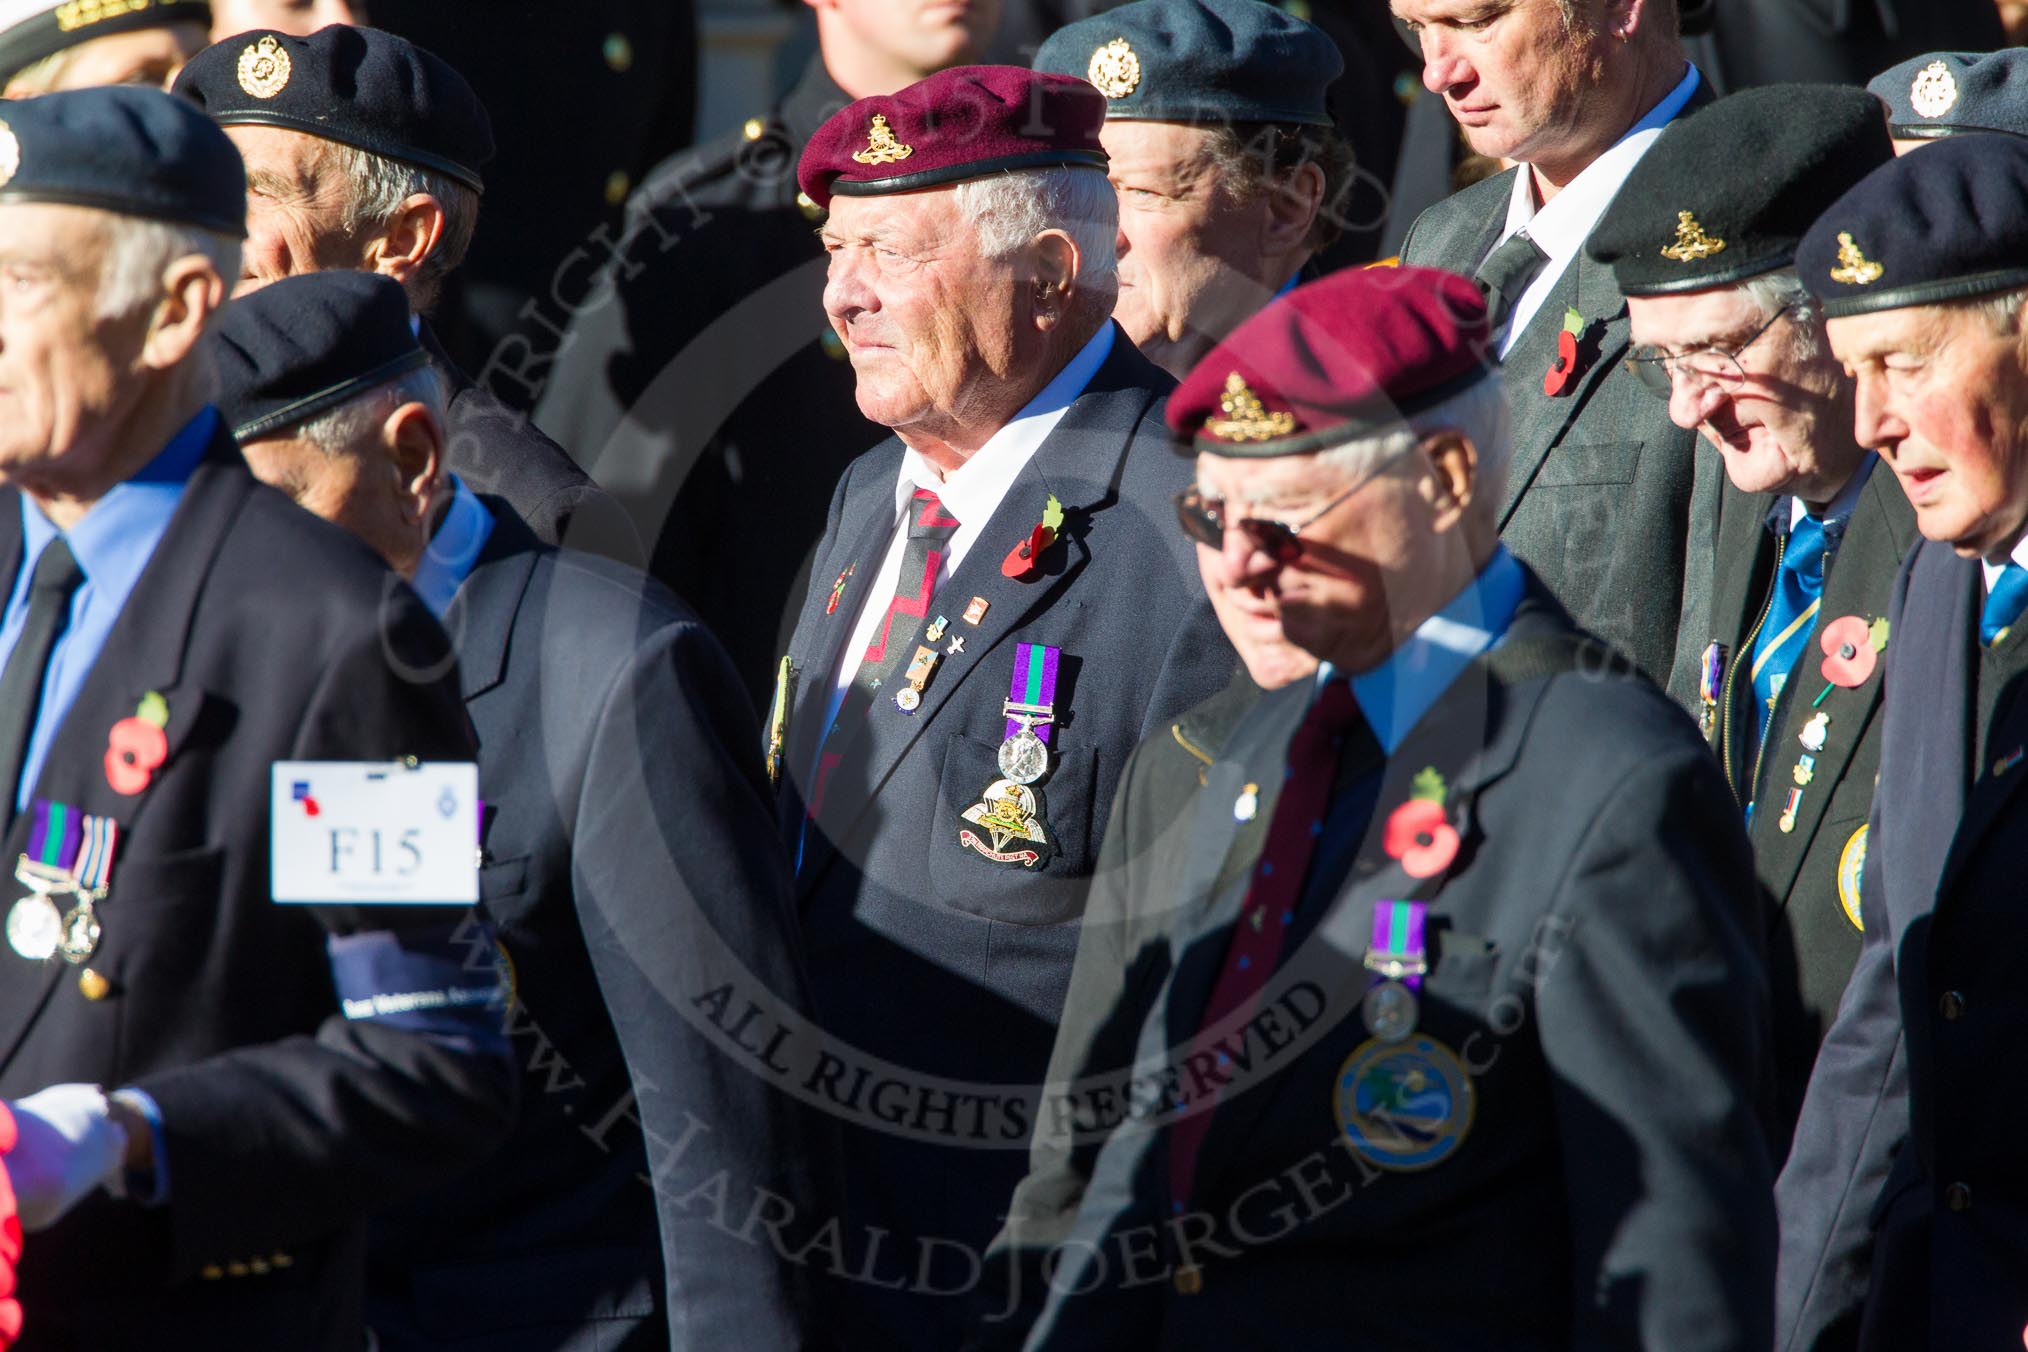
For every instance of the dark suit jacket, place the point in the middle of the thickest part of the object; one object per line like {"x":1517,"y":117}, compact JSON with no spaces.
{"x":625,"y":810}
{"x":273,"y":636}
{"x":1597,"y":972}
{"x":921,"y":951}
{"x":1908,"y":1138}
{"x":1810,"y":874}
{"x":496,"y":449}
{"x":1607,"y":500}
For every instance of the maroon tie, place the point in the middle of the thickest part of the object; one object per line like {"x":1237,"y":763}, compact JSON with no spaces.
{"x":1270,"y":906}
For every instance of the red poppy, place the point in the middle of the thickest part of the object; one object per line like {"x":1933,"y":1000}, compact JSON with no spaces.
{"x":135,"y":749}
{"x":1418,"y":835}
{"x":1557,"y":379}
{"x":1848,"y":651}
{"x":1023,"y":559}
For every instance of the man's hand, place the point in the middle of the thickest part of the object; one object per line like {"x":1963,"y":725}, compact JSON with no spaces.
{"x":67,"y":1145}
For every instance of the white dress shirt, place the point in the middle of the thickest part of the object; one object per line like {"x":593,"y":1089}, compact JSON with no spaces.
{"x":971,"y":493}
{"x":1560,"y":226}
{"x":1993,"y":570}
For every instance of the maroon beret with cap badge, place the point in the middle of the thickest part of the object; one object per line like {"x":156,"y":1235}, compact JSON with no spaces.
{"x":961,"y":123}
{"x":1346,"y":356}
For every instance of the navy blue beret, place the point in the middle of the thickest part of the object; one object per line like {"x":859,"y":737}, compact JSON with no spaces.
{"x":1948,"y":222}
{"x":1728,"y":192}
{"x":358,"y":86}
{"x":1942,"y":93}
{"x":1199,"y":61}
{"x":306,"y":344}
{"x":34,"y":30}
{"x":134,"y":151}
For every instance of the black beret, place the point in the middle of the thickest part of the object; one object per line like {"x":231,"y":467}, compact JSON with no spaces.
{"x":1199,"y":61}
{"x":1949,"y":222}
{"x":34,"y":29}
{"x":1947,"y":92}
{"x":303,"y":345}
{"x":124,"y":149}
{"x":1728,"y":192}
{"x":358,"y":86}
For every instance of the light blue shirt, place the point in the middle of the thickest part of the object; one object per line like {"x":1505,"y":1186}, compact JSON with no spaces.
{"x":112,"y":545}
{"x":448,"y":559}
{"x":1395,"y":695}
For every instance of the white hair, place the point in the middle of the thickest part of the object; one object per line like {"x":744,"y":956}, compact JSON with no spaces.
{"x":1479,"y":411}
{"x":1773,"y":290}
{"x":2002,"y":310}
{"x":1013,"y":207}
{"x":346,"y":428}
{"x":379,"y":186}
{"x":139,"y":251}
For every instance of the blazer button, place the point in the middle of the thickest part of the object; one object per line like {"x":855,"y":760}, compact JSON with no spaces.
{"x":211,"y":1272}
{"x":1189,"y":1280}
{"x":1958,"y":1197}
{"x":1951,"y":1006}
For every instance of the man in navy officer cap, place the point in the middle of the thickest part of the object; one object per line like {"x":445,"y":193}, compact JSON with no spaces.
{"x":172,"y":629}
{"x":364,"y":151}
{"x":1702,"y":242}
{"x":1230,"y":173}
{"x":1945,"y":93}
{"x":1904,"y":1194}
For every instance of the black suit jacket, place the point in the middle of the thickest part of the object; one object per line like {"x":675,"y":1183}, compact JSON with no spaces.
{"x":1906,"y":1164}
{"x":1607,"y":500}
{"x":272,"y":636}
{"x":921,"y":951}
{"x":1597,"y":971}
{"x":1810,"y":872}
{"x":628,"y":829}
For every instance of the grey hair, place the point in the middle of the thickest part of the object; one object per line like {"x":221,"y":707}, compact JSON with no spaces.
{"x":343,"y":429}
{"x":379,"y":187}
{"x":1773,"y":290}
{"x":1480,"y":412}
{"x":138,"y":252}
{"x":2002,"y":310}
{"x":1013,"y":207}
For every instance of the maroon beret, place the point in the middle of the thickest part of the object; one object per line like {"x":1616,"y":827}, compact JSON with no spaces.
{"x":1344,"y":357}
{"x":961,"y":123}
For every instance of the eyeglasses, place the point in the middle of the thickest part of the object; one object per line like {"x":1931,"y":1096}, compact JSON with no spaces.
{"x":1660,"y":371}
{"x":1203,"y":519}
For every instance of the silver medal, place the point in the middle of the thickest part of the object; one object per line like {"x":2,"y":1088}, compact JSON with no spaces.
{"x":80,"y":932}
{"x":1024,"y":757}
{"x":35,"y":928}
{"x":1390,"y":1011}
{"x":908,"y":699}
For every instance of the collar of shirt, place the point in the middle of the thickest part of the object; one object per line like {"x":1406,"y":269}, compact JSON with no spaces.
{"x":1837,"y":515}
{"x":1395,"y":695}
{"x":1993,"y":570}
{"x":1559,"y":226}
{"x":447,"y":560}
{"x":112,"y":544}
{"x":972,"y":492}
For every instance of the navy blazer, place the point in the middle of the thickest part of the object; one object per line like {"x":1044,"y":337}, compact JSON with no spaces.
{"x":921,"y":951}
{"x":627,"y":825}
{"x":272,"y":636}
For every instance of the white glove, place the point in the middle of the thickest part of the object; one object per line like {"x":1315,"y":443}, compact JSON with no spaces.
{"x":67,"y":1146}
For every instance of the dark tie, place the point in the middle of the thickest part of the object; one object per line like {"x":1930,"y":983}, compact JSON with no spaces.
{"x":930,"y":529}
{"x":2003,"y":604}
{"x":1791,"y":616}
{"x":1506,"y":273}
{"x":1270,"y":906}
{"x":49,"y":590}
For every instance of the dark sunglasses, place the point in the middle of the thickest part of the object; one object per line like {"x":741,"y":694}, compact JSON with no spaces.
{"x":1203,"y":519}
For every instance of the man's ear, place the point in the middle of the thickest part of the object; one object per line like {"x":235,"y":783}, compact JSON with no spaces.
{"x":1054,"y":262}
{"x":414,"y":443}
{"x":1623,"y":18}
{"x":192,"y":291}
{"x":400,"y":249}
{"x":1292,"y":207}
{"x":1453,"y":479}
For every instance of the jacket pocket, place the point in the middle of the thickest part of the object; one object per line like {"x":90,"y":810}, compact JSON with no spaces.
{"x":963,"y":872}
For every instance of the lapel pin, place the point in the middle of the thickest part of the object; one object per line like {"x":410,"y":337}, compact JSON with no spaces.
{"x":2009,"y":761}
{"x":1851,"y":650}
{"x":976,"y":610}
{"x":1419,"y":833}
{"x":936,"y":629}
{"x":1815,"y":732}
{"x":1565,"y":368}
{"x":1024,"y":561}
{"x":137,"y":746}
{"x":1247,"y":804}
{"x":838,"y":589}
{"x":957,"y":645}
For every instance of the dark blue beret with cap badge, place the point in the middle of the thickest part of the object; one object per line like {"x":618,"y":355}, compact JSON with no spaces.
{"x":1947,"y":222}
{"x":31,"y":30}
{"x":1944,"y":93}
{"x":124,"y":149}
{"x":357,"y":86}
{"x":1199,"y":61}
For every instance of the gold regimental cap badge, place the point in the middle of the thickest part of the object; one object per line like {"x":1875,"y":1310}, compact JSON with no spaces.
{"x":1934,"y":90}
{"x":1691,"y":241}
{"x":1114,"y":69}
{"x":1246,"y":418}
{"x":264,"y":68}
{"x":10,"y":154}
{"x":1854,"y":268}
{"x":881,"y":147}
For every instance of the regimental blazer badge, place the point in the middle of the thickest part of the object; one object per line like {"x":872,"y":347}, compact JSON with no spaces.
{"x":1010,"y":815}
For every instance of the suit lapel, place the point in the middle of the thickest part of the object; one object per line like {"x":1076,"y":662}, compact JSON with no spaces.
{"x":481,"y":616}
{"x":1541,"y":421}
{"x":1931,"y":666}
{"x":1998,"y":772}
{"x":1745,"y":573}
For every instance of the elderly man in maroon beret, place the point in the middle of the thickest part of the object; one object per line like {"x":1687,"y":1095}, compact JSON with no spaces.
{"x":999,"y":611}
{"x":1457,"y":988}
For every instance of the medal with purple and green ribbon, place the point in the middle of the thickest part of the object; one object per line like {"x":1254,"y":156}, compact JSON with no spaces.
{"x":66,"y":851}
{"x":1030,"y":709}
{"x":1396,"y":956}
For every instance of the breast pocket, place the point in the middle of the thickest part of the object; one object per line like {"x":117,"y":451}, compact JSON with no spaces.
{"x":1020,"y":854}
